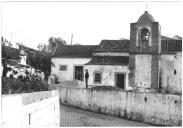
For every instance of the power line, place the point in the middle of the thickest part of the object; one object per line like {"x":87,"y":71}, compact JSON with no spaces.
{"x":20,"y":38}
{"x":19,"y":35}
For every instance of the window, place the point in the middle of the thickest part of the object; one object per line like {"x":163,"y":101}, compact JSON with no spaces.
{"x":175,"y":72}
{"x":98,"y":78}
{"x":63,"y":67}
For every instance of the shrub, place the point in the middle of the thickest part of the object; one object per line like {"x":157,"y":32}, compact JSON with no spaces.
{"x":21,"y":85}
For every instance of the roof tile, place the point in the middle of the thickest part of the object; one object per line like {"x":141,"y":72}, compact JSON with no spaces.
{"x":171,"y":46}
{"x":109,"y":60}
{"x":74,"y":51}
{"x":113,"y":46}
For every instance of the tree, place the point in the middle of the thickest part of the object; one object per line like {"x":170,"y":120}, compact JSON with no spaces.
{"x":42,"y":47}
{"x":53,"y":42}
{"x":5,"y":42}
{"x":18,"y":44}
{"x":40,"y":60}
{"x":2,"y":39}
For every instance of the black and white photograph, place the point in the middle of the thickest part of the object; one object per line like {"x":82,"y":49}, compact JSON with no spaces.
{"x":84,"y":63}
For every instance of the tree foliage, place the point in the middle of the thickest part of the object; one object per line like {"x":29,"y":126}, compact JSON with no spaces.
{"x":40,"y":60}
{"x":42,"y":47}
{"x":6,"y":42}
{"x":53,"y":42}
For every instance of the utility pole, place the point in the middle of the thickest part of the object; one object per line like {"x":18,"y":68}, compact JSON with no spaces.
{"x":10,"y":42}
{"x":146,"y":6}
{"x":11,"y":36}
{"x":71,"y":38}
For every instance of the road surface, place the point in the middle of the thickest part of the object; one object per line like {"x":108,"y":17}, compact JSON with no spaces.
{"x":71,"y":116}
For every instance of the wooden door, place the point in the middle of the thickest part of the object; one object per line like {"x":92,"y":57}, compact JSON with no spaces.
{"x":120,"y":80}
{"x":79,"y":73}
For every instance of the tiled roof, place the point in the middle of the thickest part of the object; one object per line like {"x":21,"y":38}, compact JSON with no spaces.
{"x":166,"y":38}
{"x":74,"y":51}
{"x":113,"y":46}
{"x":168,"y":45}
{"x":177,"y":37}
{"x":171,"y":46}
{"x":109,"y":60}
{"x":10,"y":53}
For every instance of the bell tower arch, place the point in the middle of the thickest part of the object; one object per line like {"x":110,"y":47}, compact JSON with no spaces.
{"x":145,"y":39}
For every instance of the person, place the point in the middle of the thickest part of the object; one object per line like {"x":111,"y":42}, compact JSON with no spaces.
{"x":86,"y":78}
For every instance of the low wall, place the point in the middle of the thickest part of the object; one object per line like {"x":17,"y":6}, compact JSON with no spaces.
{"x":31,"y":109}
{"x":153,"y":108}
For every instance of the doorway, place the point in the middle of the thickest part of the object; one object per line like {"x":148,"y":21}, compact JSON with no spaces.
{"x":120,"y":80}
{"x":78,"y":75}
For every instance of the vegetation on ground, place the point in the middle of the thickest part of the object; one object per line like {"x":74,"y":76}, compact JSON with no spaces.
{"x":22,"y":85}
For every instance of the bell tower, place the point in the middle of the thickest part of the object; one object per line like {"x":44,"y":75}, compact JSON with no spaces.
{"x":145,"y":39}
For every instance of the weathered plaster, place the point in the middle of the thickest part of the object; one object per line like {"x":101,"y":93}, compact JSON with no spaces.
{"x":143,"y":71}
{"x":153,"y":108}
{"x":171,"y":64}
{"x":108,"y":74}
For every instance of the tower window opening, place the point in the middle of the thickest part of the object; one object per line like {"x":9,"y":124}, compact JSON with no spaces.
{"x":144,"y":36}
{"x":175,"y":72}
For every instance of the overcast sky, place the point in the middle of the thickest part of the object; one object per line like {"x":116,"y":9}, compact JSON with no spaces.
{"x":90,"y":22}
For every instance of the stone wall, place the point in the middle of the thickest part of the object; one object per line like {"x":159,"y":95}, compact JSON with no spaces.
{"x":31,"y":109}
{"x":153,"y":108}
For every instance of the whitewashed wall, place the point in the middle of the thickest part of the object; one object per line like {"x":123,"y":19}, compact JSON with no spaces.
{"x":111,"y":54}
{"x":178,"y":75}
{"x":169,"y":80}
{"x":143,"y":70}
{"x":153,"y":108}
{"x":36,"y":109}
{"x":108,"y":74}
{"x":70,"y":62}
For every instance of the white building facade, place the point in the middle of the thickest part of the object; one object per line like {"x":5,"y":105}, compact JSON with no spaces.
{"x":148,"y":60}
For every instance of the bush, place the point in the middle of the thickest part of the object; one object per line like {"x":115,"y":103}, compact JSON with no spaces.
{"x":16,"y":86}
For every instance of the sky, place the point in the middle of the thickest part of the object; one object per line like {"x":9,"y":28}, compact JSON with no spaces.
{"x":89,"y":22}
